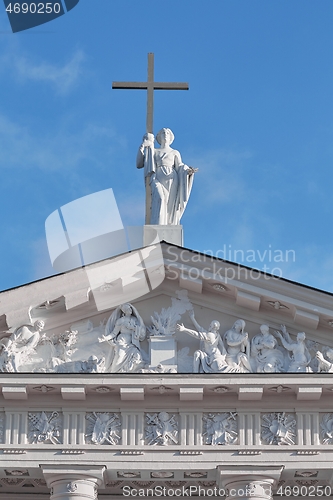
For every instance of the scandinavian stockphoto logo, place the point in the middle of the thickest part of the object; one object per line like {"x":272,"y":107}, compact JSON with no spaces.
{"x":88,"y":231}
{"x":26,"y":14}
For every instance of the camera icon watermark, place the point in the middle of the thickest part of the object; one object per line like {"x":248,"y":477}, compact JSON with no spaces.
{"x":121,"y":263}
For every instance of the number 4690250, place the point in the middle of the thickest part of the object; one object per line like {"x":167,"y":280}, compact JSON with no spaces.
{"x":34,"y":8}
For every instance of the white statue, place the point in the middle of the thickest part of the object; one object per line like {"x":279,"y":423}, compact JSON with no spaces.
{"x":325,"y":365}
{"x":168,"y":180}
{"x":264,"y":350}
{"x":124,"y":330}
{"x":20,"y":346}
{"x":301,"y":357}
{"x":238,"y":348}
{"x":210,"y":358}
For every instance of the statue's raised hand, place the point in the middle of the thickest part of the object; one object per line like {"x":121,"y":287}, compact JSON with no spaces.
{"x":181,"y":327}
{"x":103,"y":338}
{"x":148,"y":139}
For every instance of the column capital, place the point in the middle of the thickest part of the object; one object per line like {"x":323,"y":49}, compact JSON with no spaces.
{"x":254,"y":482}
{"x":79,"y":481}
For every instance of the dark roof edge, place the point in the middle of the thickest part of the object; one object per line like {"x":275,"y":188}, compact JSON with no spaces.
{"x":252,"y":268}
{"x":181,"y":248}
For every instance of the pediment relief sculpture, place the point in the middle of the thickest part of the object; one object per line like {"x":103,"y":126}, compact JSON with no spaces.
{"x":169,"y":341}
{"x":124,"y":330}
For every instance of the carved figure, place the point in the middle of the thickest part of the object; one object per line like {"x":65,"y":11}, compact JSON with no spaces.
{"x":221,"y":428}
{"x":161,"y":429}
{"x":278,"y":428}
{"x":210,"y":358}
{"x":168,"y":180}
{"x":238,"y":348}
{"x":104,"y":427}
{"x":327,"y":428}
{"x":158,"y":369}
{"x":20,"y":346}
{"x":264,"y":350}
{"x":44,"y":427}
{"x":124,"y":330}
{"x":91,"y":365}
{"x":61,"y":352}
{"x":67,"y":341}
{"x":301,"y":357}
{"x":325,"y":365}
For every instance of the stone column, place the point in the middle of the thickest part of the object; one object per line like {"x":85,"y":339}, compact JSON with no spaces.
{"x":73,"y":482}
{"x":248,"y":483}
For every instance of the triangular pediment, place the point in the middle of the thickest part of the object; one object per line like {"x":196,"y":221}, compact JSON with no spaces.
{"x":164,"y":283}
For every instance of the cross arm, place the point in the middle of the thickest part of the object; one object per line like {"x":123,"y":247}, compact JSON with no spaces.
{"x":156,"y":85}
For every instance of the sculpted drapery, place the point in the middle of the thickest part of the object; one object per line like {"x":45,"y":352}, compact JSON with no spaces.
{"x":168,"y":180}
{"x":124,"y":330}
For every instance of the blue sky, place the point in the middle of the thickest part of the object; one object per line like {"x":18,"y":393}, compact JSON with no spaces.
{"x":257,"y":122}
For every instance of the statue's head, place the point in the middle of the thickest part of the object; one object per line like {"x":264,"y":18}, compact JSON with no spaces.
{"x":301,"y":337}
{"x":39,"y":325}
{"x":329,"y":355}
{"x":264,"y":329}
{"x":215,"y":325}
{"x":167,"y":133}
{"x":239,"y":325}
{"x":126,"y":308}
{"x":91,"y":363}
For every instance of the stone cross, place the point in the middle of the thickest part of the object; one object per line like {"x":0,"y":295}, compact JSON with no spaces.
{"x":150,"y":86}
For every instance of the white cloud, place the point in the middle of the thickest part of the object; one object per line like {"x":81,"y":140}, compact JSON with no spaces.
{"x":22,"y":148}
{"x":24,"y":67}
{"x":131,"y":206}
{"x":220,"y":176}
{"x":314,"y":266}
{"x":62,"y":77}
{"x":40,"y":260}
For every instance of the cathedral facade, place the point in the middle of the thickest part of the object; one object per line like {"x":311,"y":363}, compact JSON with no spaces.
{"x":165,"y":372}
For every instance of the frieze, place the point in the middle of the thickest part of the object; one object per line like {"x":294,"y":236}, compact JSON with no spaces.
{"x":119,"y":345}
{"x":166,"y":428}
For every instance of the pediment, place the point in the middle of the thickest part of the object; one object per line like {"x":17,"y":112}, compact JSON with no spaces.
{"x":163,"y":283}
